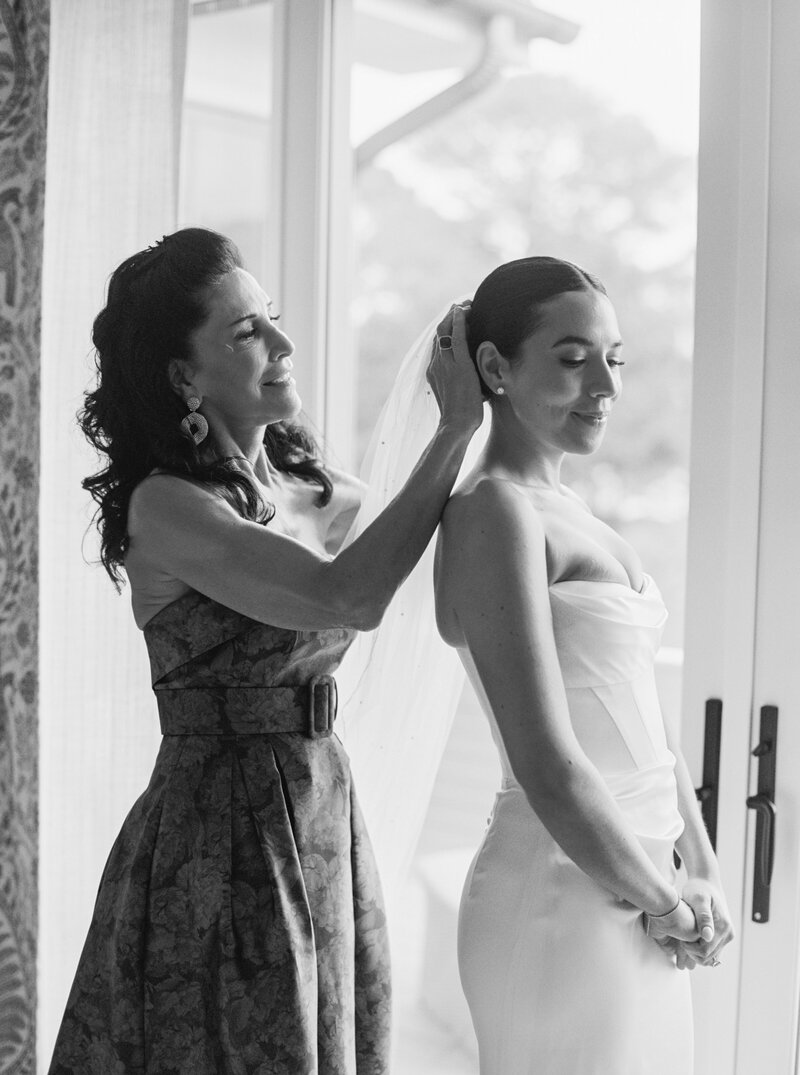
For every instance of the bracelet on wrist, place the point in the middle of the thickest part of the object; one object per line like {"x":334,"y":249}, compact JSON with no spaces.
{"x":669,"y":912}
{"x":647,"y":918}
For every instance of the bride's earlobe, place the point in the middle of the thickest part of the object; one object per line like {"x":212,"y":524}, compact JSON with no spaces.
{"x":490,"y":365}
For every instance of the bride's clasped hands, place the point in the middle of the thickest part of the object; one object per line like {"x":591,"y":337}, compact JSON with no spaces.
{"x":705,"y":901}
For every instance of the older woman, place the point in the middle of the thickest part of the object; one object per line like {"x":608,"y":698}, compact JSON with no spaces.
{"x":239,"y":925}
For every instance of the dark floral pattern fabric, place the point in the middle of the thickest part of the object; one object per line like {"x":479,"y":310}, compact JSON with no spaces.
{"x":24,"y":53}
{"x":239,"y":927}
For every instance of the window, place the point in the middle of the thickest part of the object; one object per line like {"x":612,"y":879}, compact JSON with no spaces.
{"x":485,"y":132}
{"x":227,"y":154}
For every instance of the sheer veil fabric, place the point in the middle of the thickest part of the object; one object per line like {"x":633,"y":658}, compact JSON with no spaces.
{"x":400,"y":684}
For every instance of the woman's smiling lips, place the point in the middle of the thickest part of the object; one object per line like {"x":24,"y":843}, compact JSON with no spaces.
{"x":592,"y":418}
{"x":281,"y":380}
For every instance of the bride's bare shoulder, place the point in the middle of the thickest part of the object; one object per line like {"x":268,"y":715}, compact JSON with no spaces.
{"x":491,"y":539}
{"x":489,"y":500}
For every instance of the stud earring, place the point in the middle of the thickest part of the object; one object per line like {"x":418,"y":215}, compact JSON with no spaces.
{"x":500,"y":390}
{"x":194,"y":425}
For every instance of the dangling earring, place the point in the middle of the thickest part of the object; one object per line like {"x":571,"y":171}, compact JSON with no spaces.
{"x":500,"y":391}
{"x":194,"y":425}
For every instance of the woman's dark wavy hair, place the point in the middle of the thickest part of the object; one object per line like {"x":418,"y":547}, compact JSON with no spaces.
{"x":508,"y":305}
{"x":133,"y":416}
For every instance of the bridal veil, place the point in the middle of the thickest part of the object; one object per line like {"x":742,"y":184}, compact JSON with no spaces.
{"x":400,"y":684}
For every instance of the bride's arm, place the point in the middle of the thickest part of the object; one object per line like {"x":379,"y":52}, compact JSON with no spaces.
{"x":493,"y":585}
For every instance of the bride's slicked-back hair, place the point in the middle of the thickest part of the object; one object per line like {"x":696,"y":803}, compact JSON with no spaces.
{"x":508,"y":305}
{"x":156,"y":300}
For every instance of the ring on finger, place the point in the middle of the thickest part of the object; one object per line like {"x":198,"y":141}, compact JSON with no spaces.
{"x":716,"y":962}
{"x":445,"y":342}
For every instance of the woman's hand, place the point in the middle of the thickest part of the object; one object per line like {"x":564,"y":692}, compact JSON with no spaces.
{"x":678,"y":925}
{"x":714,"y":926}
{"x":452,"y":374}
{"x":707,"y":900}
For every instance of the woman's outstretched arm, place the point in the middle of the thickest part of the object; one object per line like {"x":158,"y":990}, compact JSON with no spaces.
{"x":493,"y":584}
{"x":187,"y":531}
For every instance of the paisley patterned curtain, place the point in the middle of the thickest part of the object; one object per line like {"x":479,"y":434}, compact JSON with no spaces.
{"x":24,"y":29}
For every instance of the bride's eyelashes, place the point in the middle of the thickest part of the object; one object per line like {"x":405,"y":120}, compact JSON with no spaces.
{"x":574,"y":363}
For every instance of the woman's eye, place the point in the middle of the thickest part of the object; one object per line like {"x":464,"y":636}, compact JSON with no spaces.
{"x":273,"y":317}
{"x":572,"y":363}
{"x":616,"y":362}
{"x":246,"y":334}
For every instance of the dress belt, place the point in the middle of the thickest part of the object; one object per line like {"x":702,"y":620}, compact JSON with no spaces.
{"x":308,"y":709}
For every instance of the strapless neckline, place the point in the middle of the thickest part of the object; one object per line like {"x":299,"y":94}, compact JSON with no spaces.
{"x":171,"y":605}
{"x":647,"y":584}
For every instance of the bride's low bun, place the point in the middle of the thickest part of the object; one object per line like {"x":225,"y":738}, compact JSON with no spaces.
{"x":507,"y":306}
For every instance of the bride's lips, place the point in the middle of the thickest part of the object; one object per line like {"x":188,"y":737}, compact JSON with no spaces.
{"x":592,"y":418}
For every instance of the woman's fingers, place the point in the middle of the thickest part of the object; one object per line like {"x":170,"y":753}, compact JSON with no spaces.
{"x":453,"y":326}
{"x":445,"y":326}
{"x":459,"y":328}
{"x":700,"y":902}
{"x":683,"y":959}
{"x":702,"y":953}
{"x":676,"y":951}
{"x":452,"y":375}
{"x":705,"y":923}
{"x":713,"y":920}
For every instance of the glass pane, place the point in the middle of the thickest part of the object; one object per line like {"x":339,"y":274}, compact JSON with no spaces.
{"x":578,"y":140}
{"x":226,"y":151}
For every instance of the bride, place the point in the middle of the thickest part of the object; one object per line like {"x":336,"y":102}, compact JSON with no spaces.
{"x":574,"y":925}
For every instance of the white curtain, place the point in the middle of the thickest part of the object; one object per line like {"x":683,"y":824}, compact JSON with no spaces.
{"x":116,"y":78}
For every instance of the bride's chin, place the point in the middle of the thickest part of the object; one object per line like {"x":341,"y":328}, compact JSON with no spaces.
{"x":587,"y":447}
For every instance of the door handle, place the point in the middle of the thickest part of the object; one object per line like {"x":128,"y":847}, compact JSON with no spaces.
{"x":765,"y":844}
{"x":708,"y":792}
{"x":763,"y":802}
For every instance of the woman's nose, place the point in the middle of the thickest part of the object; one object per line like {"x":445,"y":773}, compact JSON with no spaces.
{"x":278,"y":343}
{"x":602,"y":391}
{"x":605,"y":382}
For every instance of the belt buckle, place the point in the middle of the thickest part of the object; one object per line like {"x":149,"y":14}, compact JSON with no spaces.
{"x":322,"y":703}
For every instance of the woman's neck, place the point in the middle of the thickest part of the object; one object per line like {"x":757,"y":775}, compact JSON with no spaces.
{"x":519,"y":458}
{"x":250,"y":454}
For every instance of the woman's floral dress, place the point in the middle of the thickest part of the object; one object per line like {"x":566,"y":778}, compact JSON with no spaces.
{"x":239,"y":927}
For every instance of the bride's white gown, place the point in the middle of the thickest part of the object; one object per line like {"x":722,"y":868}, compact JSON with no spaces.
{"x":559,"y":975}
